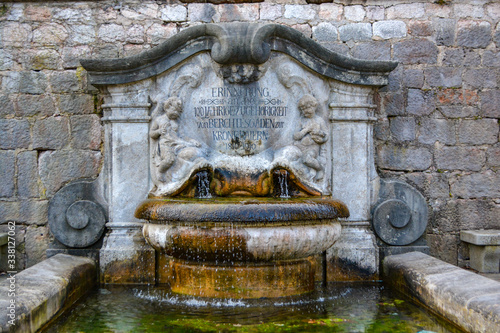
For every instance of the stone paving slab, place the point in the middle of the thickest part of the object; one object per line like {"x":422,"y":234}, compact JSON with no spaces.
{"x":29,"y":299}
{"x":469,"y":300}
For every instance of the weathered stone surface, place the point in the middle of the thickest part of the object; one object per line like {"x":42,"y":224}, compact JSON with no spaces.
{"x":490,"y":101}
{"x":64,"y":82}
{"x":237,"y":12}
{"x":474,"y":34}
{"x":420,"y":103}
{"x":81,"y":35}
{"x":354,"y":13}
{"x":15,"y":134}
{"x":432,"y":130}
{"x":302,"y":13}
{"x":416,"y":51}
{"x":444,"y":247}
{"x":27,"y":174}
{"x":51,"y":133}
{"x":6,"y":106}
{"x":413,"y":78}
{"x":16,"y":34}
{"x":458,"y":111}
{"x":477,"y":132}
{"x":200,"y":12}
{"x":41,"y":59}
{"x":403,"y":128}
{"x":355,"y":32}
{"x":33,"y":212}
{"x":468,"y":10}
{"x":326,"y":11}
{"x":443,"y":77}
{"x":389,"y":29}
{"x":433,"y":185}
{"x":158,"y":33}
{"x":32,"y":105}
{"x":270,"y":12}
{"x":7,"y":172}
{"x":375,"y":13}
{"x":49,"y":34}
{"x":444,"y":31}
{"x":401,"y":158}
{"x":420,"y":28}
{"x":325,"y":32}
{"x":85,"y":132}
{"x":476,"y":214}
{"x":37,"y":242}
{"x":71,"y":55}
{"x":112,"y":33}
{"x":58,"y":167}
{"x":480,"y":78}
{"x":491,"y":58}
{"x":394,"y":104}
{"x":477,"y":185}
{"x":27,"y":82}
{"x":461,"y":296}
{"x":173,"y":13}
{"x":457,"y":96}
{"x":135,"y":34}
{"x":46,"y":288}
{"x":460,"y":158}
{"x":379,"y":50}
{"x":493,"y":157}
{"x":414,"y":10}
{"x":76,"y":104}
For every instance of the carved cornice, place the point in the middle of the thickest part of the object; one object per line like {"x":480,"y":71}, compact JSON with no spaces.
{"x":238,"y":43}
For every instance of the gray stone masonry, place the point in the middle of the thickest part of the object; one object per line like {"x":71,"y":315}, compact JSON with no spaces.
{"x":438,"y":118}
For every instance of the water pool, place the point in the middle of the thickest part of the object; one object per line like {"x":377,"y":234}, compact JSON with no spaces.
{"x":336,"y":308}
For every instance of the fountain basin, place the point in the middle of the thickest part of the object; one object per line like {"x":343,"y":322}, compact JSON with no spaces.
{"x":241,"y":247}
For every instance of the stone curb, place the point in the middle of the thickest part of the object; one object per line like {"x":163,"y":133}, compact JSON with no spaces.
{"x":43,"y":290}
{"x":469,"y":300}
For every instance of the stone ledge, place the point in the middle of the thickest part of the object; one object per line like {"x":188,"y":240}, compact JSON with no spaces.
{"x":469,"y":300}
{"x":45,"y":289}
{"x":480,"y":237}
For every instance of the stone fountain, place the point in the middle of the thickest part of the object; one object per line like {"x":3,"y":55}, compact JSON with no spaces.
{"x":231,"y":141}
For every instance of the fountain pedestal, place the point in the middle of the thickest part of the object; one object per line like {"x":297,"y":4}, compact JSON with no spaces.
{"x":241,"y":247}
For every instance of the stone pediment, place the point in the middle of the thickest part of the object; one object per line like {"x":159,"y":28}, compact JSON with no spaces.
{"x":238,"y":43}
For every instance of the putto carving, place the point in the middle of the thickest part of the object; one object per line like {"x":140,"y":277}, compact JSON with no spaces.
{"x":311,"y":136}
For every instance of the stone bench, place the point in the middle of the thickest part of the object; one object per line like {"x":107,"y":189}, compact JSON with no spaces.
{"x":484,"y":248}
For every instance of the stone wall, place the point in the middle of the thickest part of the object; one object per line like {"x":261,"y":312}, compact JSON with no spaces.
{"x":438,"y":121}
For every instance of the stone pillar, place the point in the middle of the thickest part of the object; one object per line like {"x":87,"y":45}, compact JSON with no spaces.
{"x":354,"y":180}
{"x":125,"y":256}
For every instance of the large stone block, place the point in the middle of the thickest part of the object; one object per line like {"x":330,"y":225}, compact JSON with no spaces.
{"x":420,"y":103}
{"x":444,"y":247}
{"x":58,"y":167}
{"x":41,"y":59}
{"x":478,"y":132}
{"x":491,"y":58}
{"x":416,"y":51}
{"x":51,"y":133}
{"x":458,"y":111}
{"x":201,"y":12}
{"x":71,"y":55}
{"x":480,"y":78}
{"x":239,"y":12}
{"x":33,"y":212}
{"x":15,"y":134}
{"x":476,"y":214}
{"x":460,"y":158}
{"x":389,"y":29}
{"x":457,"y":96}
{"x":325,"y":32}
{"x":6,"y":106}
{"x":394,"y":104}
{"x":432,"y":130}
{"x":27,"y":174}
{"x":33,"y":105}
{"x":444,"y":31}
{"x":432,"y":185}
{"x":403,"y":128}
{"x":76,"y":104}
{"x":158,"y":33}
{"x":413,"y":78}
{"x":403,"y":158}
{"x":477,"y":185}
{"x":413,"y":10}
{"x":112,"y":33}
{"x":50,"y":34}
{"x":326,"y":11}
{"x":80,"y":35}
{"x":16,"y":34}
{"x":354,"y":13}
{"x":173,"y":13}
{"x":420,"y":28}
{"x":7,"y":173}
{"x":379,"y":50}
{"x":355,"y":32}
{"x":443,"y":77}
{"x":493,"y":157}
{"x":25,"y":82}
{"x":86,"y":132}
{"x":490,"y":103}
{"x":65,"y":82}
{"x":474,"y":34}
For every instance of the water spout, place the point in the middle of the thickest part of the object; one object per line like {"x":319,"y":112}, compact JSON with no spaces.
{"x":203,"y":185}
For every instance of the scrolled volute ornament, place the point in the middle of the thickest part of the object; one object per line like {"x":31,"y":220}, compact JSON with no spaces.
{"x":77,"y":217}
{"x":401,"y":214}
